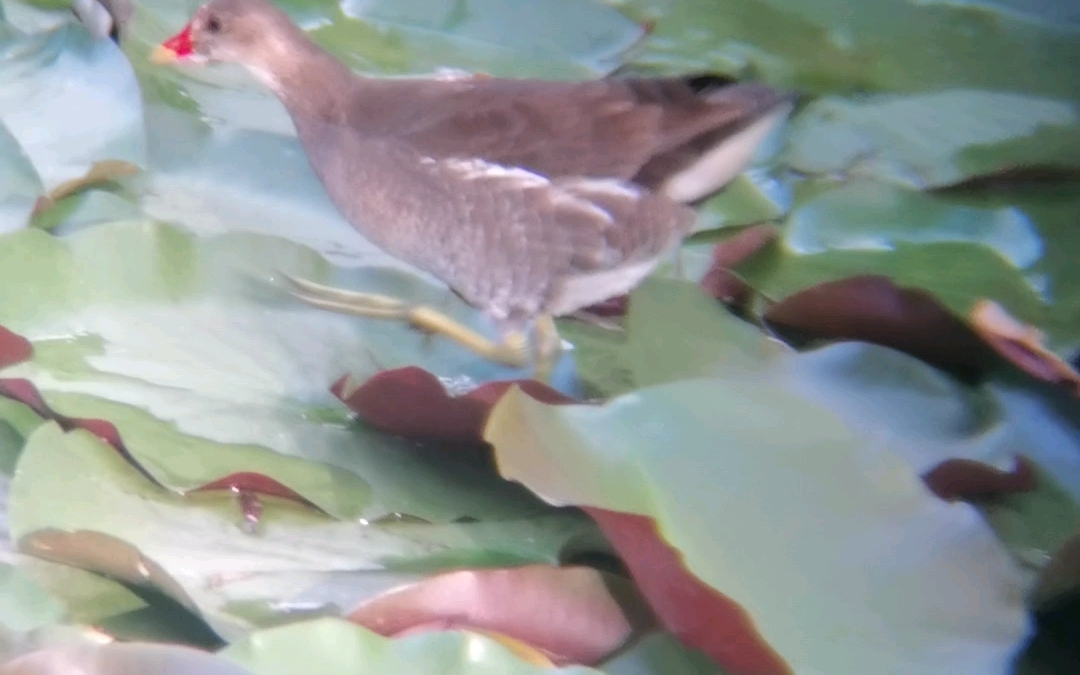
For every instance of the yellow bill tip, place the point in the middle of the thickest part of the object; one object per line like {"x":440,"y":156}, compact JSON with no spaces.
{"x":162,"y":55}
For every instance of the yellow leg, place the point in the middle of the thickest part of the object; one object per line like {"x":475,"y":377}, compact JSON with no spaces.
{"x":512,"y":351}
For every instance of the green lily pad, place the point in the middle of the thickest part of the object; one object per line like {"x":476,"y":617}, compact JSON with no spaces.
{"x":332,"y":646}
{"x":752,"y":197}
{"x":44,"y":77}
{"x":930,"y":140}
{"x":23,"y":604}
{"x":207,"y":368}
{"x":523,"y":38}
{"x":959,"y":249}
{"x":74,"y":499}
{"x":847,"y":45}
{"x":833,"y":439}
{"x":672,"y":331}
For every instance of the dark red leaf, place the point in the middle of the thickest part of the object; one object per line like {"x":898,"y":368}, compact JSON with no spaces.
{"x":248,"y":482}
{"x":718,"y":281}
{"x":14,"y":348}
{"x":873,"y":309}
{"x":26,"y":393}
{"x":697,"y":614}
{"x":412,"y":402}
{"x":968,"y":479}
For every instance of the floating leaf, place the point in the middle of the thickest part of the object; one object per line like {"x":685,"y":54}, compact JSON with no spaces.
{"x":207,"y":369}
{"x":929,"y":140}
{"x":45,"y":77}
{"x":873,"y":309}
{"x":694,"y":612}
{"x":75,"y":500}
{"x":672,"y":330}
{"x":848,"y":45}
{"x":524,"y":38}
{"x":815,"y":477}
{"x":335,"y":647}
{"x":414,"y":403}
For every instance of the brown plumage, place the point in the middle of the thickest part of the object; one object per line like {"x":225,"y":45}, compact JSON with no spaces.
{"x":528,"y":198}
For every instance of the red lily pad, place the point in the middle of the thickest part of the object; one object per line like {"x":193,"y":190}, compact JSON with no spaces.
{"x":967,"y":479}
{"x":697,"y":614}
{"x":14,"y":348}
{"x":411,"y":402}
{"x":873,"y":309}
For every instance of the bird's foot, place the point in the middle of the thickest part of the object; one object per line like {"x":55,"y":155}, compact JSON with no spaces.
{"x":512,"y":351}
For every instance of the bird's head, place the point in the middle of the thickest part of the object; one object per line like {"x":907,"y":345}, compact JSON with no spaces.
{"x":247,"y":32}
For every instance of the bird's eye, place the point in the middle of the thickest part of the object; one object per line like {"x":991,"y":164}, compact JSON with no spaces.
{"x":213,"y":24}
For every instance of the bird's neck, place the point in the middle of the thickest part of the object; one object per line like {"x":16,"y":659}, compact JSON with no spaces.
{"x":310,"y":82}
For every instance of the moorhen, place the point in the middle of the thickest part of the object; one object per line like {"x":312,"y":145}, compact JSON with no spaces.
{"x":530,"y":199}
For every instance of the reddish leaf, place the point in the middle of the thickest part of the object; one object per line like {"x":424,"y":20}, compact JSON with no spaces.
{"x":873,"y":309}
{"x":1022,"y":346}
{"x":249,"y":483}
{"x":968,"y":479}
{"x":567,"y":613}
{"x":412,"y":402}
{"x":14,"y":348}
{"x":26,"y":393}
{"x":694,"y":612}
{"x":718,"y":281}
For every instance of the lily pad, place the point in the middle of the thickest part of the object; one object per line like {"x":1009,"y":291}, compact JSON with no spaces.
{"x":75,"y":500}
{"x":153,"y":329}
{"x":852,"y":490}
{"x":335,"y":647}
{"x":929,"y":140}
{"x":959,"y":248}
{"x":44,"y":77}
{"x":892,"y":45}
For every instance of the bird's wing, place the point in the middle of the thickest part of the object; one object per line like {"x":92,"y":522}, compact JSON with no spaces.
{"x":643,"y":129}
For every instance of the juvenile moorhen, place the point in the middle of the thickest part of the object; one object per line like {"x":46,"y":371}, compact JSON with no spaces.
{"x":530,"y":199}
